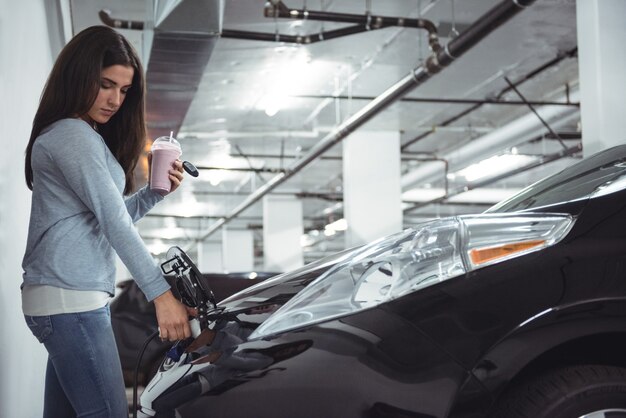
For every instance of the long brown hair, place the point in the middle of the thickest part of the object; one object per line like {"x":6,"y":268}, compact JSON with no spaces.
{"x":73,"y":87}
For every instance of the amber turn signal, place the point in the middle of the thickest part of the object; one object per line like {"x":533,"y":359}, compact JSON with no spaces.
{"x":484,"y":255}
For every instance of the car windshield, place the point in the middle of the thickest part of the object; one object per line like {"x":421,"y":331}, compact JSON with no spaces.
{"x":574,"y":183}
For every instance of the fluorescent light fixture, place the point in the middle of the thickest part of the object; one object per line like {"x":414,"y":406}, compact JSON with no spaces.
{"x":479,"y":195}
{"x":493,"y":166}
{"x":272,"y":106}
{"x":338,"y":225}
{"x":423,"y":195}
{"x":306,"y":240}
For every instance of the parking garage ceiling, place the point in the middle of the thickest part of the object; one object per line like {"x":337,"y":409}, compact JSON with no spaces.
{"x":248,"y":97}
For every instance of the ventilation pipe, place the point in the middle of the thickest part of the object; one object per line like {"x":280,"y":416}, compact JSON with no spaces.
{"x":434,"y":63}
{"x":362,"y":23}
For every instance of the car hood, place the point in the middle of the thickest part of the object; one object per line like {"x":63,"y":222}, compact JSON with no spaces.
{"x":279,"y":289}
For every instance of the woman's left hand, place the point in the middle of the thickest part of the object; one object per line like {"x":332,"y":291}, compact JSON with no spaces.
{"x":176,"y":175}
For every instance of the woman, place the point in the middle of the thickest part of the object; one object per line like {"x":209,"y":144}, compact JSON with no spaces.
{"x":87,"y":136}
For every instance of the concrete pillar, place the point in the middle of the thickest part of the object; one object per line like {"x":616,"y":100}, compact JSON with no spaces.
{"x":282,"y":231}
{"x":210,"y":257}
{"x":601,"y":63}
{"x":371,"y":178}
{"x":237,"y":250}
{"x":26,"y":55}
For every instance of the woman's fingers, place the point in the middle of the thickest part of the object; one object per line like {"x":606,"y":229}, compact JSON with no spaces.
{"x":176,"y":175}
{"x":172,"y":317}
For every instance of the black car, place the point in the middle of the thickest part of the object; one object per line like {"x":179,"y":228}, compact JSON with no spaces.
{"x":516,"y":312}
{"x":134,"y":319}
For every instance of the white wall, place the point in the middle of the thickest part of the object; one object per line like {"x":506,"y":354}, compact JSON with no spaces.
{"x":25,"y":61}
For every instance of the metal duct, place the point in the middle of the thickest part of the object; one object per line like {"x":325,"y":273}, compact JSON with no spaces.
{"x":437,"y":61}
{"x":180,"y":44}
{"x":180,"y":39}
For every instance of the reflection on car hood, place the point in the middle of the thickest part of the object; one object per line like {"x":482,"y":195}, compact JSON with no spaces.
{"x":572,"y":187}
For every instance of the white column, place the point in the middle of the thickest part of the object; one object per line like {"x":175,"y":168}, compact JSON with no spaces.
{"x":371,"y":177}
{"x":237,"y":250}
{"x":26,"y":59}
{"x":282,"y":231}
{"x":210,"y":257}
{"x":601,"y":63}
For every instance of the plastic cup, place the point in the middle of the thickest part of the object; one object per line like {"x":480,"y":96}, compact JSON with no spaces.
{"x":165,"y":151}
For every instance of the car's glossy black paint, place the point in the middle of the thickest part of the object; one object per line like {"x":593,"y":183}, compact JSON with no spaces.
{"x":449,"y":350}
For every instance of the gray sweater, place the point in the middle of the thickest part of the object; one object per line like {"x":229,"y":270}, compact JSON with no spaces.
{"x":78,"y":215}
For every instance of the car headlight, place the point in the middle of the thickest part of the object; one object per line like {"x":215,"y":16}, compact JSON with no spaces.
{"x":413,"y":259}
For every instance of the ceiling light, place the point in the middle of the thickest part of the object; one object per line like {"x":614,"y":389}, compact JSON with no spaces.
{"x":493,"y":166}
{"x":338,"y":225}
{"x":272,"y":108}
{"x":306,"y":240}
{"x":422,"y":195}
{"x":291,"y":74}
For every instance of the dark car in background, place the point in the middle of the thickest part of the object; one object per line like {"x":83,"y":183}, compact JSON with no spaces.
{"x":134,"y":319}
{"x":516,"y":312}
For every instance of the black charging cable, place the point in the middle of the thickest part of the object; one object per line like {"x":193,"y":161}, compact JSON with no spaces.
{"x":135,"y":376}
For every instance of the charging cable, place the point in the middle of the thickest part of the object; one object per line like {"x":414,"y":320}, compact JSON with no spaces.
{"x":135,"y":378}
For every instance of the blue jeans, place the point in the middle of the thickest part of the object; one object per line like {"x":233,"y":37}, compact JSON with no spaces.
{"x":84,"y":374}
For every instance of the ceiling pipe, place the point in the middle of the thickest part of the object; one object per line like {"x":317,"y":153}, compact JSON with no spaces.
{"x":243,"y":169}
{"x":365,"y":22}
{"x":292,"y":39}
{"x":107,"y":19}
{"x":447,"y":101}
{"x":512,"y":134}
{"x":560,"y":57}
{"x":433,"y":64}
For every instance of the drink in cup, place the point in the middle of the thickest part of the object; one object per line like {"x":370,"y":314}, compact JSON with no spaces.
{"x":165,"y":151}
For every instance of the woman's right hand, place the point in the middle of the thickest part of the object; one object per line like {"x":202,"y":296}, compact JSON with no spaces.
{"x":172,"y":317}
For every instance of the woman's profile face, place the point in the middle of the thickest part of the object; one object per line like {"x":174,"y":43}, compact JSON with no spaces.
{"x":114,"y":84}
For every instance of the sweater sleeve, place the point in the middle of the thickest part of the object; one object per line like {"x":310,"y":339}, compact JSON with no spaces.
{"x":140,"y":202}
{"x":81,"y":157}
